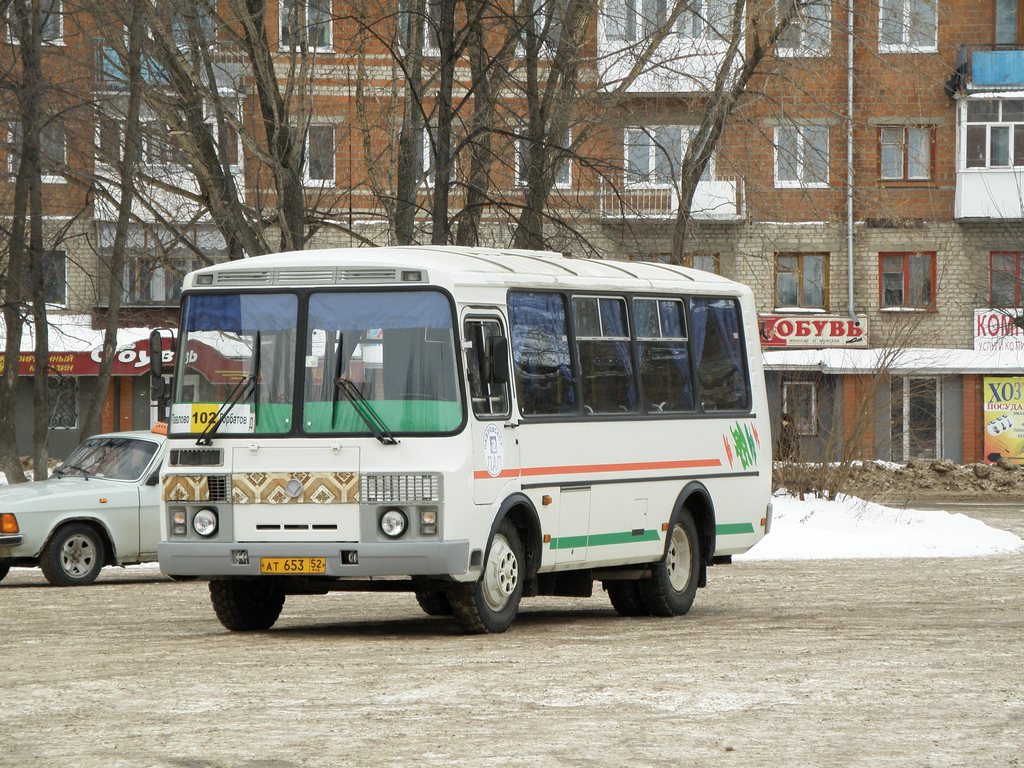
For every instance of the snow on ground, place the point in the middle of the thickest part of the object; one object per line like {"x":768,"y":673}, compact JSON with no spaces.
{"x":848,"y":528}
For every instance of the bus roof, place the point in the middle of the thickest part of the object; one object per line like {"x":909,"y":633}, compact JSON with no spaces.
{"x":447,"y":264}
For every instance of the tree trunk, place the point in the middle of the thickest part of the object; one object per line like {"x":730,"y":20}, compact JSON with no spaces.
{"x":410,"y":139}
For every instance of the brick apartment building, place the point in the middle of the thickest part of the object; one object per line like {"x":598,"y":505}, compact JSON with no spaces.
{"x":888,"y":278}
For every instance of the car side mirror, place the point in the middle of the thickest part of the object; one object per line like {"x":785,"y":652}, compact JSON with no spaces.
{"x":497,"y":358}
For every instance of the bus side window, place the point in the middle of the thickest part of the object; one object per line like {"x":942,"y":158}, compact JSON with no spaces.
{"x":489,"y":399}
{"x":718,"y":354}
{"x":540,"y":353}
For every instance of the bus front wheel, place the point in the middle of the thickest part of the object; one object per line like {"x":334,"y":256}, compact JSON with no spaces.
{"x":672,"y":586}
{"x":490,"y":604}
{"x":246,"y":605}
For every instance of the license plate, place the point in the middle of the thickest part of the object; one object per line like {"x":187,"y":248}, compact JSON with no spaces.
{"x":289,"y":566}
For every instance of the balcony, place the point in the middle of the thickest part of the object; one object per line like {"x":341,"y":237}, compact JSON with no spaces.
{"x":989,"y":194}
{"x":715,"y":200}
{"x":111,"y":76}
{"x":993,"y":68}
{"x":990,"y":148}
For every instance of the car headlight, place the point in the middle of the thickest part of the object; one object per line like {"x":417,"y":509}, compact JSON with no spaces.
{"x":205,"y":522}
{"x":393,"y":523}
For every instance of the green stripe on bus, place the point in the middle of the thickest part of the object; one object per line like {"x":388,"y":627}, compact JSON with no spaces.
{"x":603,"y":539}
{"x":731,"y":529}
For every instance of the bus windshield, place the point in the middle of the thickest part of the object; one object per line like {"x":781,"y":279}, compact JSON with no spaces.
{"x":223,"y":340}
{"x":395,"y":349}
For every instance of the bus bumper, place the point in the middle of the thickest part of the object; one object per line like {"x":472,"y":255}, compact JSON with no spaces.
{"x":343,"y":559}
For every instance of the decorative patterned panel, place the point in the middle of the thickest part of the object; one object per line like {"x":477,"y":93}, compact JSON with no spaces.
{"x":186,"y":488}
{"x":295,"y":488}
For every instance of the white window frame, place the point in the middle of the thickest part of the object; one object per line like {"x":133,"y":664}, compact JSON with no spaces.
{"x":46,"y":178}
{"x":1012,"y":127}
{"x":801,"y":153}
{"x":58,"y":40}
{"x":541,"y":15}
{"x":803,"y":49}
{"x":634,"y":25}
{"x":655,"y":144}
{"x":905,"y":46}
{"x":308,"y":180}
{"x":428,"y":174}
{"x":303,"y":6}
{"x":563,"y":177}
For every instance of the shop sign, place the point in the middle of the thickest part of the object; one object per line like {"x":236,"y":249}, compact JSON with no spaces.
{"x":996,"y":329}
{"x":130,"y":360}
{"x":813,"y":331}
{"x":1003,"y":404}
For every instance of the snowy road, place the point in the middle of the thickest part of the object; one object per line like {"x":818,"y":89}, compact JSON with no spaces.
{"x":870,"y":662}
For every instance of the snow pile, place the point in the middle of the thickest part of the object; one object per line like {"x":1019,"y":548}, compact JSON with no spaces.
{"x":818,"y":529}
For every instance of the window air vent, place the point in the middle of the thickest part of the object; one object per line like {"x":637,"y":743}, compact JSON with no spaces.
{"x":305,"y":277}
{"x":219,"y":487}
{"x":367,"y":275}
{"x":197,"y":457}
{"x":243,"y":277}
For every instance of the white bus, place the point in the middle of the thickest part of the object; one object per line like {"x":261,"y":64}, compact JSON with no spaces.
{"x":472,"y":425}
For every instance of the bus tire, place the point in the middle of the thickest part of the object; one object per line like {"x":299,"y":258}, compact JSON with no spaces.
{"x":625,"y":597}
{"x":434,"y":602}
{"x":490,"y":603}
{"x":672,"y":586}
{"x":246,"y":605}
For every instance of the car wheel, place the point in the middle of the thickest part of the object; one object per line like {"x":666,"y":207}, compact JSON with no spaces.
{"x":4,"y":570}
{"x":490,"y":604}
{"x":73,"y":556}
{"x":246,"y":605}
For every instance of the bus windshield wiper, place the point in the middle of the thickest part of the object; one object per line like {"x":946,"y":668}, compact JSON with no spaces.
{"x":365,"y":411}
{"x":246,"y":387}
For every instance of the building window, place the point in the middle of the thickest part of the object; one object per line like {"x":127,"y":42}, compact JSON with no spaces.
{"x":1008,"y":19}
{"x":801,"y":156}
{"x":907,"y":25}
{"x":632,"y":20}
{"x":905,"y":153}
{"x":809,"y":33}
{"x":801,"y":280}
{"x":318,"y":168}
{"x":800,"y":402}
{"x":907,"y":280}
{"x":547,"y":19}
{"x":654,"y":155}
{"x":53,"y":151}
{"x":55,"y":277}
{"x":62,"y":400}
{"x":431,"y":10}
{"x":52,"y":12}
{"x":563,"y":176}
{"x":916,"y":408}
{"x":994,"y":133}
{"x":306,"y":24}
{"x":427,"y":156}
{"x":153,"y":279}
{"x":702,"y":260}
{"x":1007,"y":279}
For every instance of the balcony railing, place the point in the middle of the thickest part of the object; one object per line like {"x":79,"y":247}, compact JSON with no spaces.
{"x":111,"y":75}
{"x":993,"y":67}
{"x":715,"y":200}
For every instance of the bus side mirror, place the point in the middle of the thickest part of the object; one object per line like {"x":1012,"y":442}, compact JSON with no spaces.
{"x":497,"y":357}
{"x":156,"y":355}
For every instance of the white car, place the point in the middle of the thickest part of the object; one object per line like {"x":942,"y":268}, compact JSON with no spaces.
{"x":100,"y":507}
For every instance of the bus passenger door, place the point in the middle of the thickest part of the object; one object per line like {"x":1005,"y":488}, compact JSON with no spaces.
{"x":495,"y":448}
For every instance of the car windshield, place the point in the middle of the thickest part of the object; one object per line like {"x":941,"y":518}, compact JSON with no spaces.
{"x":115,"y":458}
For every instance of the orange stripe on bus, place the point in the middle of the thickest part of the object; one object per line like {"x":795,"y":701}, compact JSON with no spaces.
{"x":580,"y":469}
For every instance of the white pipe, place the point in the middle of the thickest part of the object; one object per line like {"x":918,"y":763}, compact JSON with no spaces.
{"x":849,"y":160}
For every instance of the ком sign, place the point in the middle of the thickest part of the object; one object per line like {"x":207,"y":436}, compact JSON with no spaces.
{"x":813,"y":331}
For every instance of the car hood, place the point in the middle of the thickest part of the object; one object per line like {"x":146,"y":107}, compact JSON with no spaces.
{"x":65,"y":492}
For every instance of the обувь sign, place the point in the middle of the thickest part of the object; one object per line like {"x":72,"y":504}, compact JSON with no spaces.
{"x":813,"y":331}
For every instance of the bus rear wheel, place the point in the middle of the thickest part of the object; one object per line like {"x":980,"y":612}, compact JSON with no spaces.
{"x":672,"y":586}
{"x":490,"y":604}
{"x":246,"y":605}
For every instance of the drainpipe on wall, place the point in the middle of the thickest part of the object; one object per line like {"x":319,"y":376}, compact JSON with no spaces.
{"x":849,"y":160}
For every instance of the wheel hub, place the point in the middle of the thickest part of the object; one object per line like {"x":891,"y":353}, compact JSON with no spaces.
{"x":501,"y":577}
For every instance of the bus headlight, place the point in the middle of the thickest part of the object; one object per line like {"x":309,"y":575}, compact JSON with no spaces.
{"x":205,"y":522}
{"x":393,"y":523}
